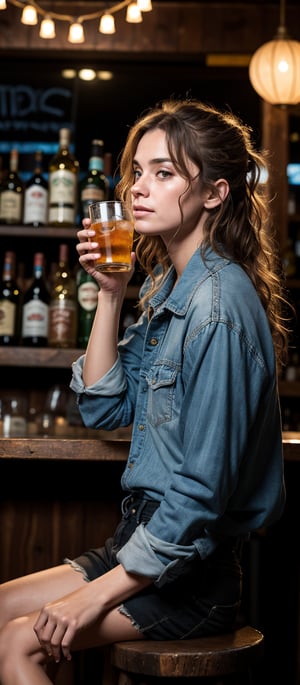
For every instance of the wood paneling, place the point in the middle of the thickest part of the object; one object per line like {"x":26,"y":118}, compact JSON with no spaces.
{"x":174,"y":27}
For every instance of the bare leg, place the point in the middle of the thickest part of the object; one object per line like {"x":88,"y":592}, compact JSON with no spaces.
{"x":27,"y":594}
{"x":22,"y":660}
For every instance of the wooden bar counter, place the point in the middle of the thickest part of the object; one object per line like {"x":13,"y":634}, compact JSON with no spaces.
{"x":61,"y":495}
{"x":104,"y":446}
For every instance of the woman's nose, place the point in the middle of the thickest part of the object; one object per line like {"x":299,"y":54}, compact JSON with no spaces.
{"x":139,"y":187}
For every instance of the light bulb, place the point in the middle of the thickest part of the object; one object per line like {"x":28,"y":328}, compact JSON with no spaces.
{"x":47,"y":28}
{"x":29,"y":16}
{"x":87,"y":74}
{"x":105,"y":75}
{"x":76,"y":33}
{"x":107,"y":24}
{"x":69,"y":73}
{"x":133,"y":14}
{"x":144,"y":5}
{"x":3,"y":5}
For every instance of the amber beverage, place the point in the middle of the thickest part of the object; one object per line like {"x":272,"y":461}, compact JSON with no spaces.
{"x":114,"y":235}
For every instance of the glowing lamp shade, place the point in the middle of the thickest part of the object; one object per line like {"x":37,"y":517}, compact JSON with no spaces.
{"x":144,"y":5}
{"x":133,"y":14}
{"x":29,"y":15}
{"x":274,"y":71}
{"x":76,"y":33}
{"x":47,"y":28}
{"x":107,"y":24}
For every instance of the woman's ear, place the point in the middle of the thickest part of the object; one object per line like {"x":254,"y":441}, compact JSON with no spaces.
{"x":215,"y":199}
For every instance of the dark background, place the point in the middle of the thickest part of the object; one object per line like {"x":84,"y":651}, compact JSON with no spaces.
{"x":107,"y":109}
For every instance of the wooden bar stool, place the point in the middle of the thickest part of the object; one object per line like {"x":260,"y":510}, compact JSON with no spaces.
{"x":220,"y":659}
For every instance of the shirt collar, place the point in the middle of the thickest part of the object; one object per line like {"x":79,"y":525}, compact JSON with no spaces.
{"x":177,"y":299}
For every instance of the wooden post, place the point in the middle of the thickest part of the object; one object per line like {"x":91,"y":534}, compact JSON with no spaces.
{"x":275,"y":134}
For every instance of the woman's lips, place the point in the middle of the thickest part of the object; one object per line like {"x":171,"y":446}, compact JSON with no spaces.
{"x":140,"y":210}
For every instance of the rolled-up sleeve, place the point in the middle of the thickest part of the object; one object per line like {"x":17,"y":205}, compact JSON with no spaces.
{"x":113,"y":382}
{"x":141,"y":555}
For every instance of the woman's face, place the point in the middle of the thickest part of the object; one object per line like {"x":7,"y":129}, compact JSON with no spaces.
{"x":157,"y":188}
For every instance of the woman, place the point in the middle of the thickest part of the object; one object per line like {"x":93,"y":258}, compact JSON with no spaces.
{"x":196,"y":376}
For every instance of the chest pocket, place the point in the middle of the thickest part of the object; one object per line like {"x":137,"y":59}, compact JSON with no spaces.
{"x":161,"y":395}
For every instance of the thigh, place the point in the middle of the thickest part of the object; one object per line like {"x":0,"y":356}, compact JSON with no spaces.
{"x":28,"y":594}
{"x":114,"y":626}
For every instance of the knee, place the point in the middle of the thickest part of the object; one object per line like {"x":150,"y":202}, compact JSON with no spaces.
{"x":17,"y":640}
{"x":7,"y":640}
{"x":5,"y":613}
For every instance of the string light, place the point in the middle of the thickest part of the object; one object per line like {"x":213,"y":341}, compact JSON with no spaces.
{"x":133,"y":14}
{"x":76,"y":33}
{"x":31,"y":11}
{"x":107,"y":24}
{"x":47,"y":28}
{"x":144,"y":5}
{"x":29,"y":15}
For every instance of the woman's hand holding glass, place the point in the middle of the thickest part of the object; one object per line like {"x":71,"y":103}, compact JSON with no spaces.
{"x":89,"y":253}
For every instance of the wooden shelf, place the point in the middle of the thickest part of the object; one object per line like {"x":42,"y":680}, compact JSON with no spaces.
{"x":44,"y":357}
{"x":38,"y":232}
{"x":97,"y":449}
{"x":65,"y":449}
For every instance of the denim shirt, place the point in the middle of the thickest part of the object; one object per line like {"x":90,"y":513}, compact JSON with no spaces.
{"x":197,"y":379}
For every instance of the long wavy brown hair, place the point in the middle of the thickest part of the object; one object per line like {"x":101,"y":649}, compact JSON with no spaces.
{"x":220,"y":146}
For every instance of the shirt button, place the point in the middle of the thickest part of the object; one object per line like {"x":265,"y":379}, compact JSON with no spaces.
{"x":130,"y":465}
{"x":141,"y":427}
{"x":153,"y":341}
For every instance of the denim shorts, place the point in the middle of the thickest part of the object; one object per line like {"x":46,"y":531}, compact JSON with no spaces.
{"x":203,"y":601}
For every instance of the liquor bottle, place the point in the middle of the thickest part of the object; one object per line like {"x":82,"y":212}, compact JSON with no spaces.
{"x":15,"y":417}
{"x":35,"y":307}
{"x":87,"y":299}
{"x":10,"y":297}
{"x":94,"y":186}
{"x":12,"y":193}
{"x":36,"y":196}
{"x":63,"y":183}
{"x":108,"y":174}
{"x":63,"y":304}
{"x":2,"y":173}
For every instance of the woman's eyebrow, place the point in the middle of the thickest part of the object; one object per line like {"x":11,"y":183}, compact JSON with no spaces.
{"x":155,"y":160}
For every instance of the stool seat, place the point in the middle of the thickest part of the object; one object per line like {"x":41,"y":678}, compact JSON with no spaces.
{"x":207,"y":657}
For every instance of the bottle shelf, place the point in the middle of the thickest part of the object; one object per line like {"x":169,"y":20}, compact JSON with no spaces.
{"x":42,"y":357}
{"x":38,"y":231}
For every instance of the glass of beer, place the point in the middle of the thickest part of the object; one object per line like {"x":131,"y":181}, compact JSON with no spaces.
{"x":114,"y":234}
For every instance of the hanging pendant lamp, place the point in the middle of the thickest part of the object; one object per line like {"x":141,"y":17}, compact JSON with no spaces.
{"x":274,"y":69}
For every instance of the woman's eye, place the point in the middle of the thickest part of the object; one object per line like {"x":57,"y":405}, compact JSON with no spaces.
{"x":164,"y":173}
{"x":136,"y":174}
